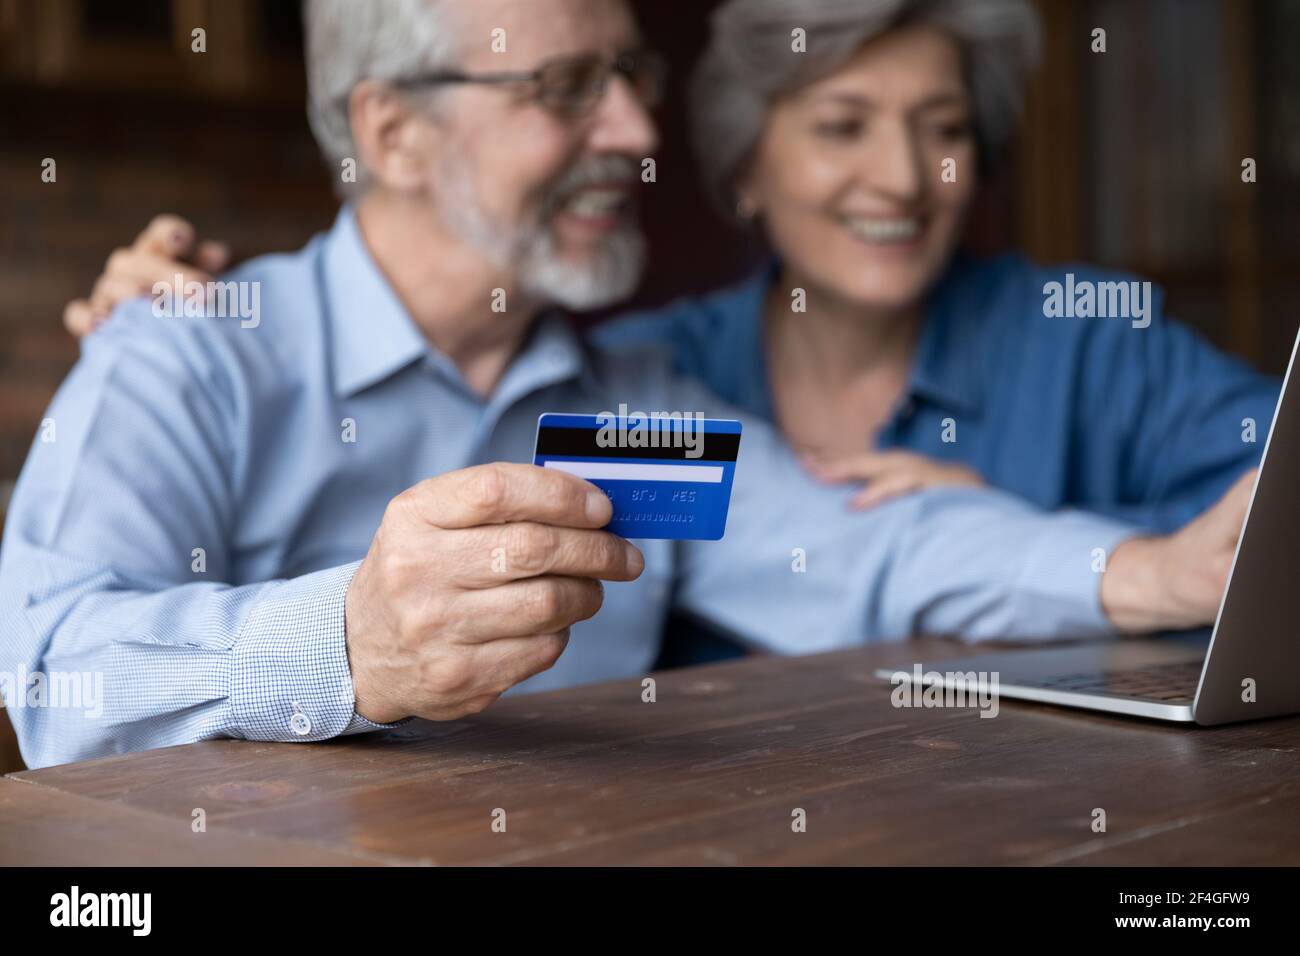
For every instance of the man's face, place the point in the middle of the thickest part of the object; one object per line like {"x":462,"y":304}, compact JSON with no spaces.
{"x":546,"y":195}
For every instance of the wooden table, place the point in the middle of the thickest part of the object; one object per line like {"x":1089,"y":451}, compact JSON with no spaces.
{"x":710,"y":773}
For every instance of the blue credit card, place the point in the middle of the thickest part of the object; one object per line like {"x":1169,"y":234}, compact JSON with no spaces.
{"x":667,"y":475}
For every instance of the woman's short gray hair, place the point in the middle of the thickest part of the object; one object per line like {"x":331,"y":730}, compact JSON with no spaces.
{"x":348,"y":41}
{"x":748,"y":64}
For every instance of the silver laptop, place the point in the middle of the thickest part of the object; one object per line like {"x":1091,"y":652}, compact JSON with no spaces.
{"x":1248,"y":667}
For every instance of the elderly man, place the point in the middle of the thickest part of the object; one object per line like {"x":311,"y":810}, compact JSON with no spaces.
{"x":197,"y":521}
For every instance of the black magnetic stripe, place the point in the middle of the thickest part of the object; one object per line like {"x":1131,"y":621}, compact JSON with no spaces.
{"x":581,"y":443}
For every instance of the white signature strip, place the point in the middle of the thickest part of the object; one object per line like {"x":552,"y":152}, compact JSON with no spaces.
{"x":635,"y":471}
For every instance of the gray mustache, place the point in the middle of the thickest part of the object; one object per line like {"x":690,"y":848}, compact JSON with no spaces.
{"x":600,"y":169}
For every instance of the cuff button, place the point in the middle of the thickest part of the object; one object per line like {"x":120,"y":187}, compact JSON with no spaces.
{"x":300,"y":724}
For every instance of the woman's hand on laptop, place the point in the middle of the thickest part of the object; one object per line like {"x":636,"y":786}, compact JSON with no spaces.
{"x":1177,"y":581}
{"x":168,"y":247}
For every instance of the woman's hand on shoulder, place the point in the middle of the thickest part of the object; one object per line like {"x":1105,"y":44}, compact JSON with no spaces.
{"x":885,"y":475}
{"x":167,"y":248}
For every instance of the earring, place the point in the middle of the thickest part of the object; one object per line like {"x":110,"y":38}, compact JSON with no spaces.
{"x":746,"y":209}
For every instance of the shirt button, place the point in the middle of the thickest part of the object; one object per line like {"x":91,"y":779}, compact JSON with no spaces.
{"x":300,"y":724}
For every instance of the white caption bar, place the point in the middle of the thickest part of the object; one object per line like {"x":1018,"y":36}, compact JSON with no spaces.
{"x":635,"y":471}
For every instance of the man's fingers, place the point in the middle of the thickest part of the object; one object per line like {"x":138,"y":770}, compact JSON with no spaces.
{"x":492,"y":669}
{"x":488,"y":670}
{"x":512,"y":660}
{"x":493,"y":555}
{"x":169,"y":236}
{"x":503,"y":492}
{"x":530,"y":606}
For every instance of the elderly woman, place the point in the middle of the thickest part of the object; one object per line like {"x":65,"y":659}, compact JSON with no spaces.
{"x":891,"y":358}
{"x":853,"y":135}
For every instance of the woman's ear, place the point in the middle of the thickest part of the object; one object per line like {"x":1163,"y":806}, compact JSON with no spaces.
{"x":748,"y":205}
{"x":745,"y":189}
{"x":394,"y":140}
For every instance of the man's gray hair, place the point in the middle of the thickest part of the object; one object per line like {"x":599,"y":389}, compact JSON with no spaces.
{"x":749,"y":63}
{"x":348,"y":41}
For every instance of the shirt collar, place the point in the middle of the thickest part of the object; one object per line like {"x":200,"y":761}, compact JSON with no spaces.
{"x":553,"y":353}
{"x":743,"y":341}
{"x":373,"y":336}
{"x":945,"y":370}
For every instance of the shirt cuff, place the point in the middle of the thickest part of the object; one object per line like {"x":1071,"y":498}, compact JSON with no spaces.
{"x":1061,"y":578}
{"x":290,"y":679}
{"x":362,"y":725}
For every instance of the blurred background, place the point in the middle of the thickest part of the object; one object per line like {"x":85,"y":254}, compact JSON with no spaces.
{"x":1129,"y":158}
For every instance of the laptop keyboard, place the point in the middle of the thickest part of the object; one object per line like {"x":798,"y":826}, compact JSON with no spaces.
{"x":1169,"y":683}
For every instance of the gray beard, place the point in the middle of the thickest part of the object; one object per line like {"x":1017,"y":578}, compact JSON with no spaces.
{"x":541,"y":272}
{"x":611,"y":275}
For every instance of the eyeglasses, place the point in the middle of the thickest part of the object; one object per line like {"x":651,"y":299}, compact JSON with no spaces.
{"x":570,"y":85}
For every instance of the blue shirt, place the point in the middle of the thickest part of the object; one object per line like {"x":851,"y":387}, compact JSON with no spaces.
{"x":190,"y":517}
{"x":1148,"y":424}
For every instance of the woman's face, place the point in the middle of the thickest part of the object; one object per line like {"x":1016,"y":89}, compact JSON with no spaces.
{"x":849,"y":175}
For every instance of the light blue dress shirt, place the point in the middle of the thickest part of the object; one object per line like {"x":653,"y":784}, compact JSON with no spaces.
{"x":189,"y":520}
{"x":1148,"y":424}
